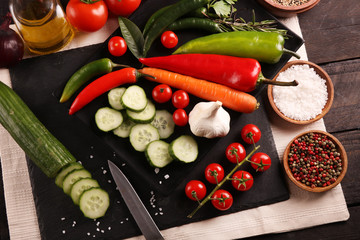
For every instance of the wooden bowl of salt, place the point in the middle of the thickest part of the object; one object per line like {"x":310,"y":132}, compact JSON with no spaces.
{"x":307,"y":102}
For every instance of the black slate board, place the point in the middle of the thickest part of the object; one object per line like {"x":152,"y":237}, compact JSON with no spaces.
{"x":39,"y":80}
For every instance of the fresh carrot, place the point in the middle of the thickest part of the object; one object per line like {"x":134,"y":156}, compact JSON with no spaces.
{"x":230,"y":98}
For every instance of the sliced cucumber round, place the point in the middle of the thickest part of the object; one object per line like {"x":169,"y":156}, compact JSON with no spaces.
{"x":145,"y":116}
{"x":134,"y":98}
{"x":141,"y":135}
{"x":80,"y":186}
{"x":157,"y":153}
{"x":114,"y":98}
{"x":164,"y":123}
{"x":124,"y":129}
{"x":184,"y":149}
{"x":72,"y":177}
{"x":108,"y":119}
{"x":94,"y":202}
{"x":64,"y":171}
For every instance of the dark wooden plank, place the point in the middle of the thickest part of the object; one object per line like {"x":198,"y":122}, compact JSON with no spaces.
{"x":350,"y":183}
{"x":348,"y":230}
{"x":345,"y":111}
{"x":331,"y":30}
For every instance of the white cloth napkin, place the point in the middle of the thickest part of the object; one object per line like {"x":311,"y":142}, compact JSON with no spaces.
{"x":302,"y":210}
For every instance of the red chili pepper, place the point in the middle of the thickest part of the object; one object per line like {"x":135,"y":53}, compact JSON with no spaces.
{"x":102,"y":85}
{"x":242,"y":74}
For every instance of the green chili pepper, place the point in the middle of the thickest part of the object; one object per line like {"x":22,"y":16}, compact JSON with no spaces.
{"x":84,"y":74}
{"x":199,"y":13}
{"x":195,"y":23}
{"x":267,"y":47}
{"x":153,"y":18}
{"x":173,"y":12}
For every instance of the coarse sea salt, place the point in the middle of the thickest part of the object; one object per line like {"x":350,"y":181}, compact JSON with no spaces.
{"x":307,"y":99}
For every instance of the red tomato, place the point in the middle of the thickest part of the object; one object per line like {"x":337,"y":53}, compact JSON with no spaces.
{"x":180,"y":99}
{"x":214,"y":173}
{"x":260,"y":162}
{"x":249,"y":132}
{"x":87,"y":17}
{"x":117,"y":46}
{"x":122,"y":8}
{"x":162,"y":93}
{"x":169,"y":39}
{"x":180,"y":117}
{"x":235,"y":152}
{"x":222,"y":200}
{"x":242,"y":180}
{"x":195,"y":190}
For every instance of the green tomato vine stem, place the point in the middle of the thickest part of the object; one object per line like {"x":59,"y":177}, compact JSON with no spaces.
{"x":228,"y":177}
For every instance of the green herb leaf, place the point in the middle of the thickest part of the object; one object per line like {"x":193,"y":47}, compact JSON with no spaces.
{"x":133,"y":36}
{"x":222,"y":8}
{"x":231,"y":1}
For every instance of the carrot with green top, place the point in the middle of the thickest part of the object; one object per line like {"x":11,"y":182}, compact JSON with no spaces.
{"x":230,"y":98}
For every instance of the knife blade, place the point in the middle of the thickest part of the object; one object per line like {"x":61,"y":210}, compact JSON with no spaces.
{"x":139,"y":212}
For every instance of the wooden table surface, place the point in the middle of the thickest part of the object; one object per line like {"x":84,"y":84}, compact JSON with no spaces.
{"x":331,"y":31}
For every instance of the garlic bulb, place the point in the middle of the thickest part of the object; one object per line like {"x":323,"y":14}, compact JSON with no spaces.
{"x":209,"y":119}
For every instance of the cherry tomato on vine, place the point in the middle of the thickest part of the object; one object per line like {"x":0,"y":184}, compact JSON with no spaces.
{"x":214,"y":173}
{"x":242,"y":180}
{"x":169,"y":39}
{"x":162,"y":93}
{"x":180,"y":99}
{"x":117,"y":46}
{"x":235,"y":152}
{"x":195,"y":190}
{"x":260,"y":162}
{"x":249,"y":132}
{"x":180,"y":117}
{"x":123,"y":8}
{"x":87,"y":15}
{"x":222,"y":200}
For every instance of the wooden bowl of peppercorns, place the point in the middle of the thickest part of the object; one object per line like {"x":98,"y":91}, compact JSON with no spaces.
{"x":315,"y":161}
{"x":287,"y":8}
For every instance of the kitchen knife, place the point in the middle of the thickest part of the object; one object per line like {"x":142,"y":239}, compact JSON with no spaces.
{"x":133,"y":202}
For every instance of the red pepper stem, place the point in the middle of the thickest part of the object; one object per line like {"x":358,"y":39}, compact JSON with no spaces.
{"x":262,"y":79}
{"x":138,"y":75}
{"x":292,"y":53}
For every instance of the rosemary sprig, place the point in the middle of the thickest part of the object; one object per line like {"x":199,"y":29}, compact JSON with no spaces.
{"x":239,"y":24}
{"x":230,"y":22}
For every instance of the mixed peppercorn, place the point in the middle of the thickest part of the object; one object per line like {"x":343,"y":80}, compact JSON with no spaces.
{"x":314,"y":160}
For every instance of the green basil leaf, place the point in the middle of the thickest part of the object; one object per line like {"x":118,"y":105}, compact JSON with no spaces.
{"x":133,"y":36}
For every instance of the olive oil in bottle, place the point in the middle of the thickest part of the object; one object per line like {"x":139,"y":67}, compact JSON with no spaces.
{"x":42,"y":24}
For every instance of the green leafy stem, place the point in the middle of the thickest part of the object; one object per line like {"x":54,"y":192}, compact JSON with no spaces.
{"x":227,"y":178}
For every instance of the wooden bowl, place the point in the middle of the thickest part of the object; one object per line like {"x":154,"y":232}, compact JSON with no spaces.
{"x":322,"y":74}
{"x":280,"y":10}
{"x":339,"y":148}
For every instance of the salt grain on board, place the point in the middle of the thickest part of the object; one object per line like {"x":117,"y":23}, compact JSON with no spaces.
{"x":306,"y":100}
